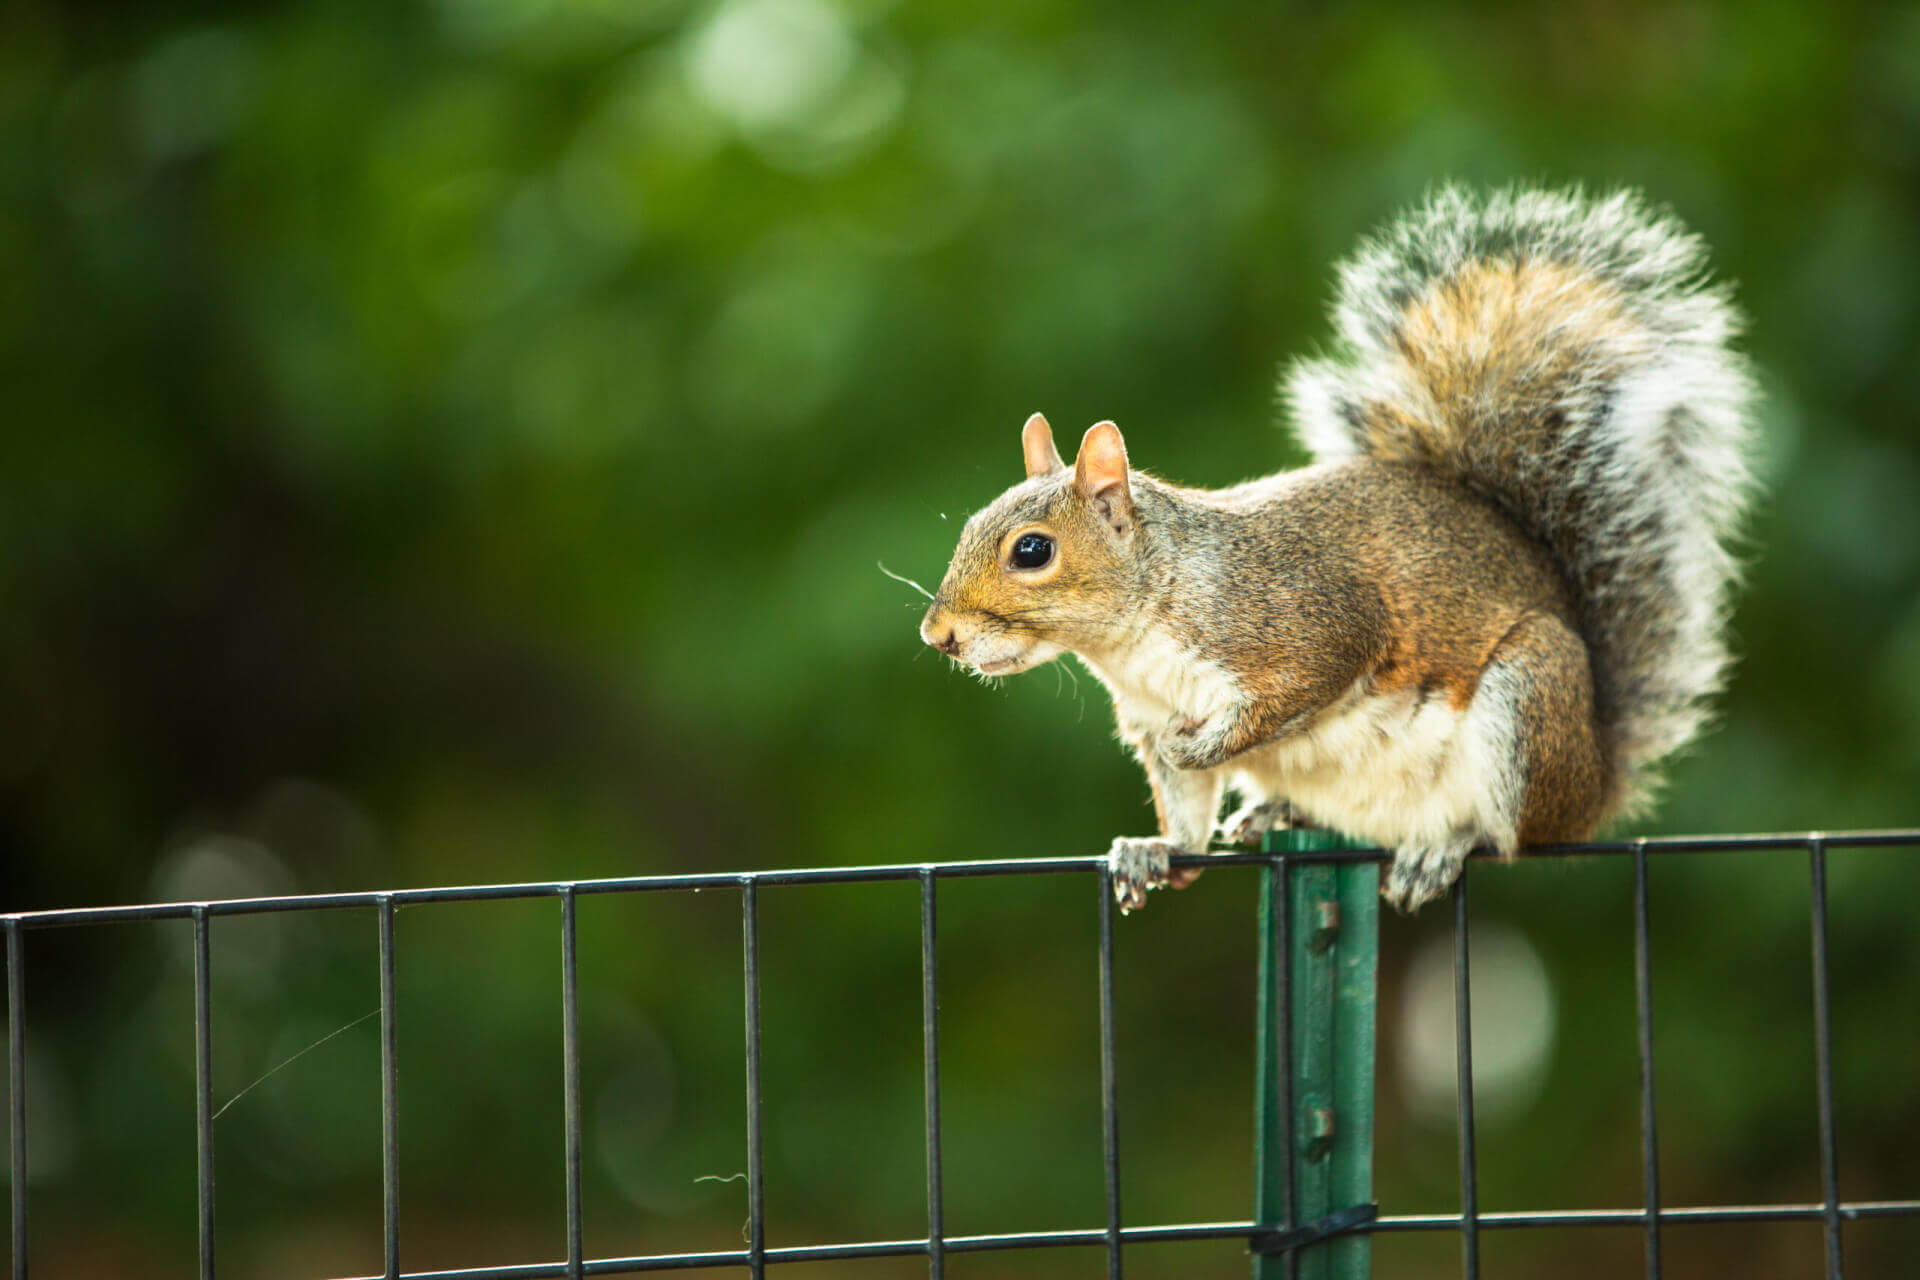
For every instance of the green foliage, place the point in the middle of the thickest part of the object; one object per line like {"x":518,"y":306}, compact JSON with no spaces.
{"x":454,"y":442}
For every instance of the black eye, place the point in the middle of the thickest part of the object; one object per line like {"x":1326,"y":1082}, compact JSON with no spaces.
{"x":1032,"y":551}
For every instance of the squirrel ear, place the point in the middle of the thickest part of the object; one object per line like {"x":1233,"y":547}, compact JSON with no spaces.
{"x":1036,"y":441}
{"x":1100,"y":473}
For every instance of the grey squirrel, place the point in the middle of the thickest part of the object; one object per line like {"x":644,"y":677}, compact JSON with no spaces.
{"x":1482,"y":618}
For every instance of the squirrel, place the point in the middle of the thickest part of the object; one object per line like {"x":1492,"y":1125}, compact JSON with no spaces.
{"x":1482,"y":617}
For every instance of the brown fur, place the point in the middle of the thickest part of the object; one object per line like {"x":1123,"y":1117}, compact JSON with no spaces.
{"x":1366,"y":569}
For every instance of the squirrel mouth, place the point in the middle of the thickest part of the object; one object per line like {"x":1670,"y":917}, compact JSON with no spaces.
{"x":1033,"y":655}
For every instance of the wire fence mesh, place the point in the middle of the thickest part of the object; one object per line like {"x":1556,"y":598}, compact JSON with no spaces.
{"x":1114,"y":1234}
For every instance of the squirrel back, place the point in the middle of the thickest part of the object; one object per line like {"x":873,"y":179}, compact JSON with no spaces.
{"x":1565,"y":358}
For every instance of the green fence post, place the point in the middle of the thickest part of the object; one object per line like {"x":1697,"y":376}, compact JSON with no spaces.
{"x":1320,"y":926}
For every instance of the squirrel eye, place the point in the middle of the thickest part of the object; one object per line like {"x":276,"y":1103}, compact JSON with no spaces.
{"x":1032,"y":551}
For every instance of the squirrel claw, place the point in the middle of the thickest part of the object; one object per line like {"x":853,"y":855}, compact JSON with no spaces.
{"x":1246,"y":826}
{"x":1422,"y":873}
{"x":1138,"y":867}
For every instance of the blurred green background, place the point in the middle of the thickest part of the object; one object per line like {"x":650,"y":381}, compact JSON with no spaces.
{"x":452,"y":442}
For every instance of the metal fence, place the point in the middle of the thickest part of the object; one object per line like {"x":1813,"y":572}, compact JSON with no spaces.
{"x":1285,"y":1238}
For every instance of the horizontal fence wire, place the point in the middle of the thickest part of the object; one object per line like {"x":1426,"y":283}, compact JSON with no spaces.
{"x":1113,"y":1235}
{"x":1097,"y":1237}
{"x":72,"y":916}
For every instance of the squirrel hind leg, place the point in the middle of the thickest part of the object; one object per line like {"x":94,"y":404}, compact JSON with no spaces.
{"x":1538,"y":770}
{"x":1423,"y":872}
{"x":1548,"y":777}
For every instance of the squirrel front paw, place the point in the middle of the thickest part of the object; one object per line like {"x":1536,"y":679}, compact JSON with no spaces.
{"x":1139,"y":866}
{"x":1423,"y":872}
{"x":1245,"y":826}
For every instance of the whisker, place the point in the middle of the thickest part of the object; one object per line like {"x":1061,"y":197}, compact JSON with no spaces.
{"x":338,"y":1031}
{"x":909,"y":581}
{"x":1074,"y":676}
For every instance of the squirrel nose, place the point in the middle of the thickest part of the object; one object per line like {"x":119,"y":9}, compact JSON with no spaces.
{"x":940,"y":632}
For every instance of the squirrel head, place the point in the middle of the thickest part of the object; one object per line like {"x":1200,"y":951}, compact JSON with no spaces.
{"x":1051,"y":565}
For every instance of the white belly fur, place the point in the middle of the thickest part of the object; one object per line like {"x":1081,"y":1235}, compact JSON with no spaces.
{"x":1395,"y":768}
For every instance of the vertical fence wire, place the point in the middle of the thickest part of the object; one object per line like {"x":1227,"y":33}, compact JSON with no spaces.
{"x":389,"y":1099}
{"x":203,"y":1081}
{"x":570,"y":1060}
{"x":1643,"y":1004}
{"x":1274,"y":1202}
{"x":756,"y":1181}
{"x":1823,"y":1049}
{"x":1463,"y":1041}
{"x":17,"y":1094}
{"x":1109,"y":1075}
{"x":930,"y":1051}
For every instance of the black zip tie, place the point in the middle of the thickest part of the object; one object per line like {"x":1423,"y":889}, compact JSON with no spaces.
{"x":1337,"y":1223}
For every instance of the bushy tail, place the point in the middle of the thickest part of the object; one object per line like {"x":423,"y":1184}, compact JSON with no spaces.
{"x":1567,"y":358}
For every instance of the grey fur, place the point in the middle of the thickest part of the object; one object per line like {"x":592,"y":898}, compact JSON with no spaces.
{"x":1635,"y":471}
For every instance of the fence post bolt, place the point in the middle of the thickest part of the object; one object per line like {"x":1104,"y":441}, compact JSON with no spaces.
{"x":1326,"y":925}
{"x":1319,"y":1129}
